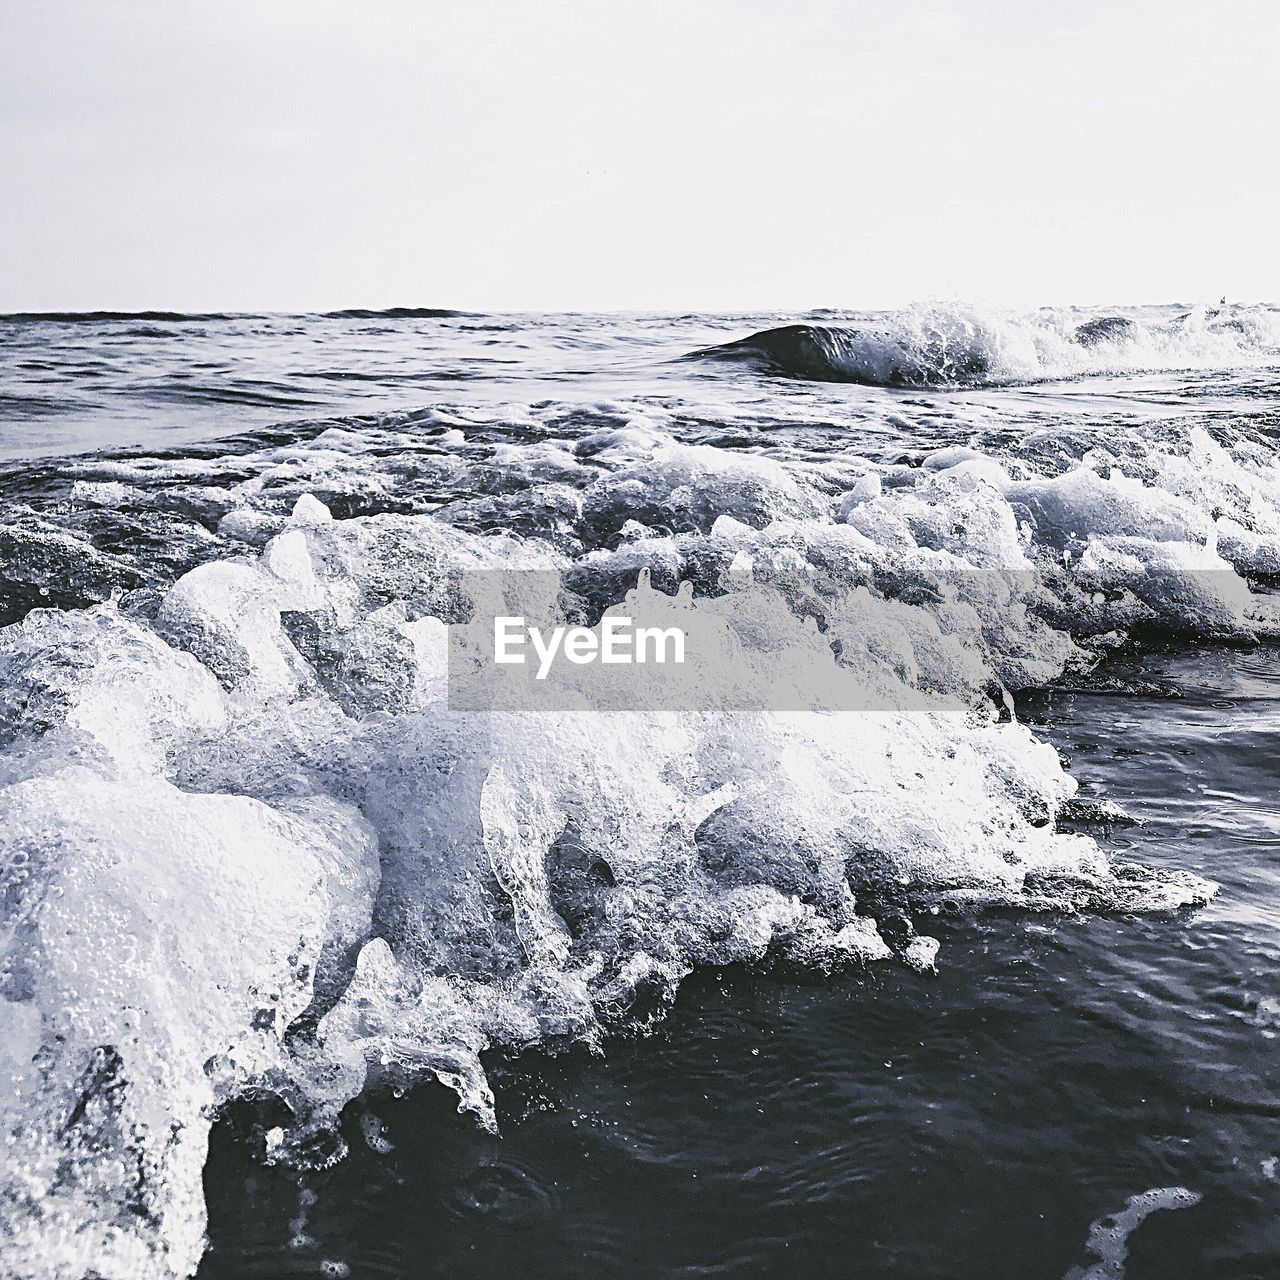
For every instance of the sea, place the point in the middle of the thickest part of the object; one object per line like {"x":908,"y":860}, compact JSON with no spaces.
{"x":306,"y":969}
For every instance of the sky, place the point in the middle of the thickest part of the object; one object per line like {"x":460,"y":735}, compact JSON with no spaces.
{"x":624,"y":154}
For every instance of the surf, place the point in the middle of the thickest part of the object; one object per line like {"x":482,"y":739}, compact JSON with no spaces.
{"x":939,"y":345}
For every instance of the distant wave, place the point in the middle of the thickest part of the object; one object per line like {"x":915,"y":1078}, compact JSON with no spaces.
{"x":187,"y":317}
{"x":956,"y":346}
{"x":394,"y":313}
{"x":94,"y":317}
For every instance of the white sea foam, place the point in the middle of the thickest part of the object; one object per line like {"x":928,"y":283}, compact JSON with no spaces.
{"x":1109,"y":1236}
{"x":252,"y":801}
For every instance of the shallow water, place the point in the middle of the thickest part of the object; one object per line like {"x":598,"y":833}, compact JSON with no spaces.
{"x":748,"y":986}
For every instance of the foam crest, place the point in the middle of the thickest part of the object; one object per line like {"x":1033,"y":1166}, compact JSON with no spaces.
{"x":159,"y":945}
{"x":948,"y":344}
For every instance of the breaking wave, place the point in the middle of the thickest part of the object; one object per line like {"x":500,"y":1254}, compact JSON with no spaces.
{"x":956,"y":346}
{"x":250,"y":849}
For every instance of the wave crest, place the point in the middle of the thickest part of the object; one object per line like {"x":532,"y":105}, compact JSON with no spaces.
{"x":957,"y":346}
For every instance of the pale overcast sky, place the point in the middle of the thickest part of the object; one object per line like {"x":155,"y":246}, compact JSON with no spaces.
{"x":298,"y":154}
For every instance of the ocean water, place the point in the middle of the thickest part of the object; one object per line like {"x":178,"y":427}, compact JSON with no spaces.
{"x":307,"y":971}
